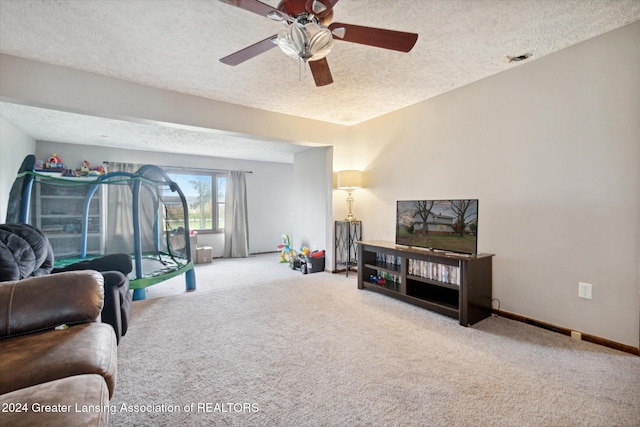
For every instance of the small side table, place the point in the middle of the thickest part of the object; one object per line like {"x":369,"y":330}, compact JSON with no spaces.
{"x":347,"y":233}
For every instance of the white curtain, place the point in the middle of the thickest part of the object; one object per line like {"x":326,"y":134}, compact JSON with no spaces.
{"x":119,"y":224}
{"x":236,"y":224}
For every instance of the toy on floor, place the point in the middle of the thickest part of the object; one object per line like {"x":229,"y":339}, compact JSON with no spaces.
{"x":312,"y":262}
{"x":286,"y":253}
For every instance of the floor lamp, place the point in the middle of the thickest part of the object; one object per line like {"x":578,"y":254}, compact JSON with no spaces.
{"x":349,"y":180}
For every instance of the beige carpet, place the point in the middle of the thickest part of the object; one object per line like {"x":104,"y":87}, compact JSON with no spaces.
{"x":259,"y":344}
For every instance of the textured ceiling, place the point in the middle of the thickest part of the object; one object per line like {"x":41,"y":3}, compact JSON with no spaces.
{"x":176,"y":45}
{"x":57,"y":126}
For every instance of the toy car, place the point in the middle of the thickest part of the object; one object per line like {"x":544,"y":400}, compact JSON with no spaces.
{"x":308,"y":264}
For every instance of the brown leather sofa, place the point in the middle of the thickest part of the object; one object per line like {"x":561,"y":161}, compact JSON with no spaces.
{"x":58,"y":362}
{"x":25,"y":251}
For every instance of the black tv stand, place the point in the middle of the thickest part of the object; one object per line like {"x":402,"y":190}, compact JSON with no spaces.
{"x":455,"y":285}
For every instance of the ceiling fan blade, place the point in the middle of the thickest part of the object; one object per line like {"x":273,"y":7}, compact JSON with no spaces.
{"x":321,"y":72}
{"x":260,"y":8}
{"x":320,"y":8}
{"x":250,"y":52}
{"x":377,"y":37}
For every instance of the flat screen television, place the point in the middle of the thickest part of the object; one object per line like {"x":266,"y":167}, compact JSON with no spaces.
{"x":446,"y":225}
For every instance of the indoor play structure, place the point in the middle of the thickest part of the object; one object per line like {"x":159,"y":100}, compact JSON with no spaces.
{"x":144,"y":214}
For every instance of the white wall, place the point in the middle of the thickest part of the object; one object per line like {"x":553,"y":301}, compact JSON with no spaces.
{"x":312,"y":206}
{"x":14,"y":146}
{"x":269,"y":186}
{"x":552,"y":150}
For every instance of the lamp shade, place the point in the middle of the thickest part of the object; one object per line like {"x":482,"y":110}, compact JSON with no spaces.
{"x":349,"y":179}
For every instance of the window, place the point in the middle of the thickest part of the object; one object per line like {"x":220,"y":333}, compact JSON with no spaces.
{"x":205,"y":193}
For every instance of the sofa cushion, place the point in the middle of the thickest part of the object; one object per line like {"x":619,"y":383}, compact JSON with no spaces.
{"x":112,"y":262}
{"x":81,"y":400}
{"x":24,"y":251}
{"x":27,"y":360}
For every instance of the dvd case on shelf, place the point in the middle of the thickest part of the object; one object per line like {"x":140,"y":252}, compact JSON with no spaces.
{"x":434,"y":271}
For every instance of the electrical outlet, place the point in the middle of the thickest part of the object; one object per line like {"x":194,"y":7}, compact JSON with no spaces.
{"x":585,"y":290}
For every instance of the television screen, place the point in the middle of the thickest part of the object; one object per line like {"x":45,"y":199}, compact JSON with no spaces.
{"x":447,"y":225}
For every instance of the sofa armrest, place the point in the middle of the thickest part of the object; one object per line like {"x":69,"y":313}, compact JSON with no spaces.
{"x":44,"y":302}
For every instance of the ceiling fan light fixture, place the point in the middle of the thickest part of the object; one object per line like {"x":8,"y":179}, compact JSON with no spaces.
{"x":308,"y":42}
{"x":275,"y":16}
{"x":318,"y":7}
{"x":339,"y":32}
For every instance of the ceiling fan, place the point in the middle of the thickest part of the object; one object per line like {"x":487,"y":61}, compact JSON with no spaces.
{"x":309,"y":34}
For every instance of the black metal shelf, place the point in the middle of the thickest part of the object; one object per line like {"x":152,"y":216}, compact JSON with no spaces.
{"x":347,"y":234}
